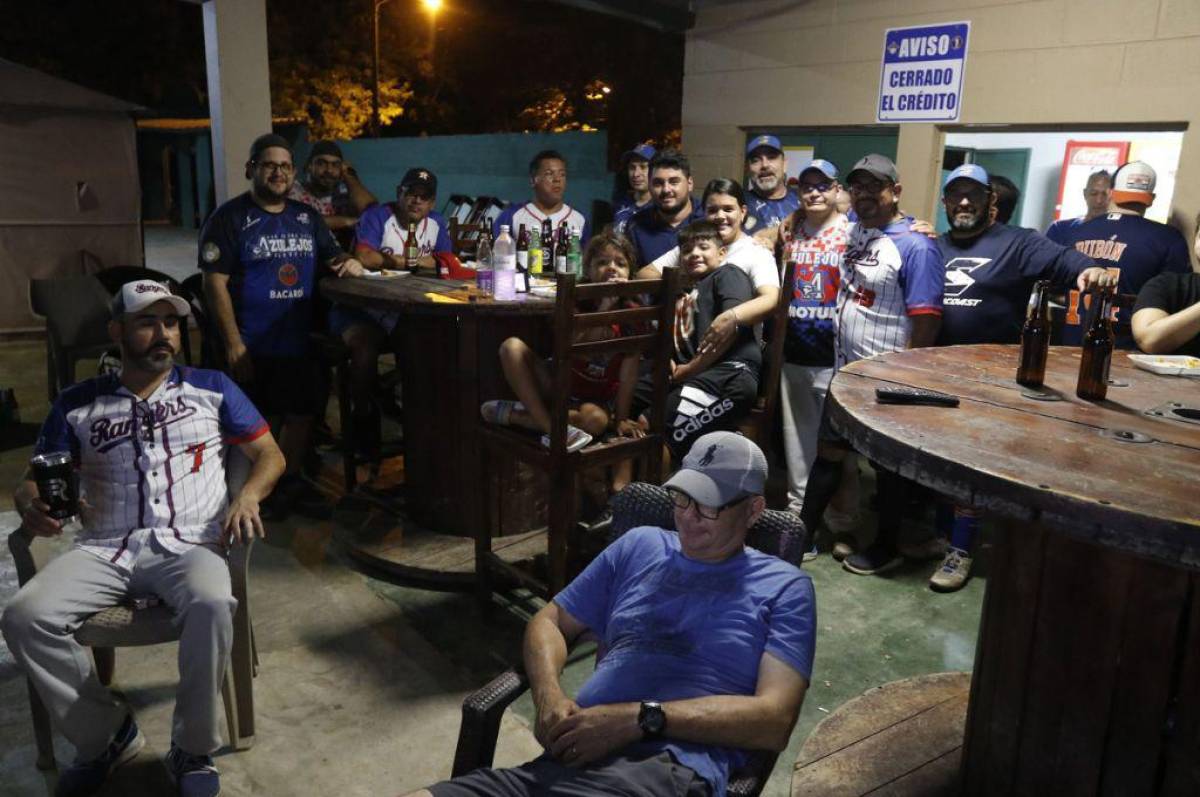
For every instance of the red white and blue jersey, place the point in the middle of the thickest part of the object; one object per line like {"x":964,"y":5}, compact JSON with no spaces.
{"x":272,"y":260}
{"x":1132,"y":247}
{"x":763,"y":214}
{"x":814,"y":286}
{"x":888,"y":276}
{"x":528,"y":214}
{"x":153,"y":467}
{"x":379,"y":230}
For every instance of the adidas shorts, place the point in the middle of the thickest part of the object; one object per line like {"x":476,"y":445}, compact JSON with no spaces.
{"x":713,"y":400}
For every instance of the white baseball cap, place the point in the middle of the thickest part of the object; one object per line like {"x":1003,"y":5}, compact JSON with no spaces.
{"x":1134,"y":182}
{"x":140,"y":294}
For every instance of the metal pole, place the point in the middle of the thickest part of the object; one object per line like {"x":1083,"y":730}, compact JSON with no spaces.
{"x":375,"y":71}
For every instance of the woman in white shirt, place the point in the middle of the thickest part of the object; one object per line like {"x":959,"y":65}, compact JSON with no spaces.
{"x":724,"y":204}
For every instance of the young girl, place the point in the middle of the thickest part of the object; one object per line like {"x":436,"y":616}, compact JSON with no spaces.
{"x":602,"y":386}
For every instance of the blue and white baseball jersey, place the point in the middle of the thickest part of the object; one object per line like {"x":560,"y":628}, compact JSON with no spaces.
{"x":1132,"y":247}
{"x":153,"y":467}
{"x":272,"y":260}
{"x":762,"y":214}
{"x":379,"y":230}
{"x":528,"y":214}
{"x":888,"y":276}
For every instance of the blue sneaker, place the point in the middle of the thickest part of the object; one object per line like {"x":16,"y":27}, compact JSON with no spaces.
{"x":86,"y":777}
{"x":194,"y":775}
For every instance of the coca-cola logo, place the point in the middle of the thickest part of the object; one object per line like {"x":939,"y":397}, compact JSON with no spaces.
{"x":106,"y":434}
{"x":288,"y":274}
{"x":1094,"y":156}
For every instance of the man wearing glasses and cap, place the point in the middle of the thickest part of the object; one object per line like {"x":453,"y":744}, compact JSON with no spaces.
{"x":150,"y":447}
{"x":708,"y":649}
{"x":770,"y":201}
{"x":635,"y":168}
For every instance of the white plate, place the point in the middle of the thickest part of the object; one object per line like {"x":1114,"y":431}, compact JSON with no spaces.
{"x":1167,"y":364}
{"x":545,"y":293}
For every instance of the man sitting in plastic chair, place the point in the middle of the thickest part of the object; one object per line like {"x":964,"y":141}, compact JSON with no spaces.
{"x":149,"y":443}
{"x":706,"y":649}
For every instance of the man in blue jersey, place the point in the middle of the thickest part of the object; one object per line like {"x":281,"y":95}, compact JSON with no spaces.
{"x":770,"y":200}
{"x":548,"y":179}
{"x":1133,"y":247}
{"x":262,"y":254}
{"x":889,"y":298}
{"x":708,"y":650}
{"x":654,"y":230}
{"x":991,"y":269}
{"x":636,"y":167}
{"x":1097,"y":192}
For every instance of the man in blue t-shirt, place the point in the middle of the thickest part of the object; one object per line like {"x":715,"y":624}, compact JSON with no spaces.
{"x":770,"y":201}
{"x":262,"y":254}
{"x":706,"y":648}
{"x":1128,"y":244}
{"x":635,"y":164}
{"x":654,"y":230}
{"x":991,"y":269}
{"x":1097,"y":192}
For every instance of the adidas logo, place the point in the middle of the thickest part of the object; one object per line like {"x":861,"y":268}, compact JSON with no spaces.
{"x":697,"y":422}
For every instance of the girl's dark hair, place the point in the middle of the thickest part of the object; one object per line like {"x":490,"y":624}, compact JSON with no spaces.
{"x":722,"y":185}
{"x":602,"y":241}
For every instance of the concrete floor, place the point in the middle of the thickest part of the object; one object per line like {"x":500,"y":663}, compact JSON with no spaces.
{"x":361,"y":679}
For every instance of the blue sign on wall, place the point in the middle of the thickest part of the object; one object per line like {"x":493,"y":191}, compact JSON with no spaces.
{"x":922,"y":75}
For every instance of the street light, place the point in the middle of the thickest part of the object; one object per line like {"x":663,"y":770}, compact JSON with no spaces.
{"x":375,"y":69}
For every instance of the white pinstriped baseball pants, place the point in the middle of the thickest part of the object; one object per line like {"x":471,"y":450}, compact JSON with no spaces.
{"x":39,"y":624}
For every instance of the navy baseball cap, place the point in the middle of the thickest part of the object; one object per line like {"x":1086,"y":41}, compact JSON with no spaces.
{"x":823,"y":166}
{"x":422,"y":177}
{"x":643,"y":151}
{"x":772,"y":142}
{"x":720,"y":468}
{"x":878,"y":166}
{"x":968,"y":171}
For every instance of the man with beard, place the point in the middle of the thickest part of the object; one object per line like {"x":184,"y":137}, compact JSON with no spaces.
{"x":150,"y":447}
{"x":770,"y":200}
{"x":262,"y":254}
{"x":548,"y":178}
{"x":991,"y":269}
{"x":654,"y":230}
{"x":635,"y":192}
{"x":332,"y":188}
{"x":890,"y":298}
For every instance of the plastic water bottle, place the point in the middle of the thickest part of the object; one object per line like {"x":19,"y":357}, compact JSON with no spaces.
{"x":574,"y":256}
{"x":504,"y":259}
{"x":484,"y":276}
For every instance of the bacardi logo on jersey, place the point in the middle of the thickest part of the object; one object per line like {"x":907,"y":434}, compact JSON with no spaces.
{"x":288,"y":274}
{"x":106,"y":434}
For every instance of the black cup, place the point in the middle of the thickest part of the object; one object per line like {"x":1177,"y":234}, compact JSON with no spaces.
{"x":57,"y":483}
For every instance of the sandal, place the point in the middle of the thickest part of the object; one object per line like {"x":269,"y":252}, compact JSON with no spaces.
{"x":499,"y":411}
{"x":576,"y":439}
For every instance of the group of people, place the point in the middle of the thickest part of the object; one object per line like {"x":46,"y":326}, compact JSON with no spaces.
{"x":722,"y":664}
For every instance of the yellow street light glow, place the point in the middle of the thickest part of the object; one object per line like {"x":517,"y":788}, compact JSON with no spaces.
{"x":432,"y":6}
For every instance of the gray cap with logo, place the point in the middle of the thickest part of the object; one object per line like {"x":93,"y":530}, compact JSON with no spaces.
{"x":721,"y":467}
{"x":878,"y":166}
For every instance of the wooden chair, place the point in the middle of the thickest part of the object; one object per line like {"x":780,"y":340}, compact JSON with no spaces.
{"x":781,"y":534}
{"x":758,"y":425}
{"x":76,"y":310}
{"x":125,"y":626}
{"x":464,"y":236}
{"x":505,"y":445}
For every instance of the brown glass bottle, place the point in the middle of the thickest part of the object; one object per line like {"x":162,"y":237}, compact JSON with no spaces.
{"x":412,"y":250}
{"x":1096,"y":349}
{"x":1035,"y":337}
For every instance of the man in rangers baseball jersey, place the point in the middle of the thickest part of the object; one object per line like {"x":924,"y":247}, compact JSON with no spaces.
{"x":548,"y":178}
{"x":150,"y":445}
{"x":770,"y":200}
{"x":262,"y":254}
{"x":890,"y":298}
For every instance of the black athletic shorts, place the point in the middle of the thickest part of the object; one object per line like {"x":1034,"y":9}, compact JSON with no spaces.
{"x":711,"y":401}
{"x":546,"y":777}
{"x":286,"y":386}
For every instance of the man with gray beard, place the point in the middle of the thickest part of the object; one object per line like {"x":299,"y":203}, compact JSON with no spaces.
{"x":770,"y":201}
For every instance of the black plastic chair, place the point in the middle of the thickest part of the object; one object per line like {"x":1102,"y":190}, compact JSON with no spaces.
{"x":781,"y":534}
{"x":76,"y":310}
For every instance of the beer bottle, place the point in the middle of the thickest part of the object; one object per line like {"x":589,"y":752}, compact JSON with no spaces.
{"x":411,"y":251}
{"x":535,"y":252}
{"x":1035,"y":337}
{"x":1096,"y":348}
{"x":547,"y":247}
{"x":523,"y":260}
{"x":561,"y":244}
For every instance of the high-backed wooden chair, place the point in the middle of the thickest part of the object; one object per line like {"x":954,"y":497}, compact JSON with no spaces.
{"x":464,"y":236}
{"x":758,"y":425}
{"x":503,"y":446}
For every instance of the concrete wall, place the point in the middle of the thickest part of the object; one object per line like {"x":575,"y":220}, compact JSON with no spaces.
{"x":491,"y":165}
{"x":1076,"y":63}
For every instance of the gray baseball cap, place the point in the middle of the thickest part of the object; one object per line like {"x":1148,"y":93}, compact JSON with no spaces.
{"x":876,"y":165}
{"x":721,"y":467}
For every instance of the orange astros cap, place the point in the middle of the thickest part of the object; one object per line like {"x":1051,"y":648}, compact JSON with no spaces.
{"x":1134,"y":182}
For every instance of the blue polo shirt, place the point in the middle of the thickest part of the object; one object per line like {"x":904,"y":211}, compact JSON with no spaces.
{"x":652,"y":237}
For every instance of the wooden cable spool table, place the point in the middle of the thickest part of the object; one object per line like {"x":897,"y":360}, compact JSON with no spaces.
{"x":1087,"y":670}
{"x":447,"y":349}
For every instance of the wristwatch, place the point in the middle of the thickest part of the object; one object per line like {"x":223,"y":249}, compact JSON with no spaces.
{"x":652,"y":720}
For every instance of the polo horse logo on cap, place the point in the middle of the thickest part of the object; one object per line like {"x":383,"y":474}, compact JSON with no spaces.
{"x":709,"y":455}
{"x":422,"y":175}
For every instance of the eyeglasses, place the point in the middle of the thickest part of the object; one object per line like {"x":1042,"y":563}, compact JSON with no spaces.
{"x":804,"y":188}
{"x":682,"y":501}
{"x":870,"y":189}
{"x":271,"y":166}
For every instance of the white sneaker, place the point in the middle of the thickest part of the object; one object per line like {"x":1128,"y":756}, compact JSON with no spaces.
{"x":576,"y":439}
{"x":954,"y":572}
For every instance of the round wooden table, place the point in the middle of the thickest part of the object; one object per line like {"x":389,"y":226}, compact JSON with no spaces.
{"x":447,"y":349}
{"x":1087,"y":670}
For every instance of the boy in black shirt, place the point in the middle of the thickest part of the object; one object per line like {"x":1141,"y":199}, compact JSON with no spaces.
{"x":710,"y":390}
{"x":1166,"y":318}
